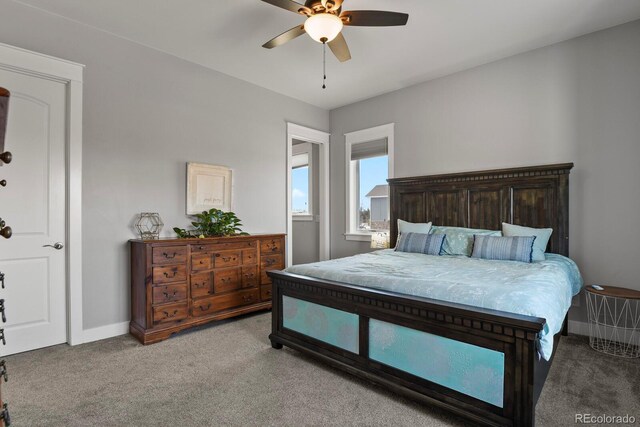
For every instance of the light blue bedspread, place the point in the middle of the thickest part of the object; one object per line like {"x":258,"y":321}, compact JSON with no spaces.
{"x":541,"y":289}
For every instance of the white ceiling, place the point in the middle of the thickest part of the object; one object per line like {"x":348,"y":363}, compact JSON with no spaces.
{"x":441,"y":37}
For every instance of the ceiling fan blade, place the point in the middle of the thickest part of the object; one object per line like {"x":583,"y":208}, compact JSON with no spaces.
{"x":290,"y":5}
{"x":373,"y":18}
{"x":285,"y":37}
{"x":339,"y":48}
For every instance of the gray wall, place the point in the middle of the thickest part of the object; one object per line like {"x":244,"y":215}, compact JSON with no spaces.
{"x":576,"y":101}
{"x":305,"y":235}
{"x":148,"y":113}
{"x":145,"y":115}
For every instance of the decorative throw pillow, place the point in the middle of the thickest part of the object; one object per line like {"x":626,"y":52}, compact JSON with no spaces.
{"x":504,"y":248}
{"x":413,"y":227}
{"x":459,"y":240}
{"x":542,"y":237}
{"x":421,"y":243}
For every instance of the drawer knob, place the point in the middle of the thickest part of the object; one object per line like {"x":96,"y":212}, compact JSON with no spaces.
{"x":247,"y":298}
{"x":168,"y":315}
{"x":270,"y":261}
{"x":167,"y":296}
{"x":225,"y":279}
{"x":203,"y":308}
{"x":173,"y":275}
{"x":167,"y":256}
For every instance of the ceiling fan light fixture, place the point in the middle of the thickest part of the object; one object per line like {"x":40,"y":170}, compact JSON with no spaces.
{"x":323,"y":27}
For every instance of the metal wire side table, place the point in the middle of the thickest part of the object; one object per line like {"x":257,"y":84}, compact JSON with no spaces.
{"x":614,"y":320}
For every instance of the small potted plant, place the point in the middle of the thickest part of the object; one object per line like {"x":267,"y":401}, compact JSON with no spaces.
{"x":212,"y":223}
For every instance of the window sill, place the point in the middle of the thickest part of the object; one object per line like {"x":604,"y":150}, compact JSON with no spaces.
{"x":358,"y":237}
{"x":302,"y":217}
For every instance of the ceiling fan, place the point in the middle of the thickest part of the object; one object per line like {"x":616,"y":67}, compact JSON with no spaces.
{"x":325,"y":20}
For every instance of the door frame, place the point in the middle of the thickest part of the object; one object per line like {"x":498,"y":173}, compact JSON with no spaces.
{"x":71,"y":74}
{"x":321,"y":138}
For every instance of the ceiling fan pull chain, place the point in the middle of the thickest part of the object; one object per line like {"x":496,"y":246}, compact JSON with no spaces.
{"x":324,"y":65}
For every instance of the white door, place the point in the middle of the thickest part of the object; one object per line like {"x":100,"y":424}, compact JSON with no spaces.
{"x":33,"y":205}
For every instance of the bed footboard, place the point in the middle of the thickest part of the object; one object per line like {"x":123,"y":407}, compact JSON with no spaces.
{"x":478,"y":363}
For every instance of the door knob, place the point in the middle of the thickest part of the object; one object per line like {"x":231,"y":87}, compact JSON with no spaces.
{"x":5,"y":231}
{"x":6,"y":157}
{"x":56,"y":245}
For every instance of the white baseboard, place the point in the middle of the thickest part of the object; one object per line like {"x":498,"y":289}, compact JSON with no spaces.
{"x":107,"y":331}
{"x":579,"y":328}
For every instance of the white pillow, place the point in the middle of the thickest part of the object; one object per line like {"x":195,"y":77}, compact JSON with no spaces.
{"x":539,"y":245}
{"x":413,"y":227}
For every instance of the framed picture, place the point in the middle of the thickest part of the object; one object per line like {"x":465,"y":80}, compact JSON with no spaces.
{"x":208,"y":186}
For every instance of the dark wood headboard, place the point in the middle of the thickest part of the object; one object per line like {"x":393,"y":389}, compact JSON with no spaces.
{"x":536,"y":196}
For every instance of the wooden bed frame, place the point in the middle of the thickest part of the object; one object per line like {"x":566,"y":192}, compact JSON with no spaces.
{"x":530,"y":196}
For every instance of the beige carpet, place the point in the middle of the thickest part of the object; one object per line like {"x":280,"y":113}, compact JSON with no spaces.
{"x":228,"y":374}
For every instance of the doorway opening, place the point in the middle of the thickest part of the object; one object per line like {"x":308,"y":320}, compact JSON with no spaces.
{"x":307,"y":195}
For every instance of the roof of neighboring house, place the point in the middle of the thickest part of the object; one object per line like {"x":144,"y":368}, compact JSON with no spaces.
{"x":381,"y":190}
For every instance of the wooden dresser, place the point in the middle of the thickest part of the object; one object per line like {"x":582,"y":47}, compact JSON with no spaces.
{"x":180,"y":283}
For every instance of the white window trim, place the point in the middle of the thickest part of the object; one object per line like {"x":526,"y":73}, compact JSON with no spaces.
{"x":307,"y":149}
{"x":359,"y":137}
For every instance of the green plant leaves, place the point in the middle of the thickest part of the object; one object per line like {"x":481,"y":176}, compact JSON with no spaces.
{"x":211,"y":223}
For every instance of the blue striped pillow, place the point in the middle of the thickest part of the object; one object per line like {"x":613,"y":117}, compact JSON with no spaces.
{"x":514,"y":248}
{"x":430,"y":244}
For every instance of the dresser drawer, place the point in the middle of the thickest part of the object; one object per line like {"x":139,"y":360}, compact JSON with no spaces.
{"x":227,"y":259}
{"x":201,"y":262}
{"x":249,"y":256}
{"x":272,"y":262}
{"x":201,"y":285}
{"x":215,"y":247}
{"x":169,"y":254}
{"x":214,"y":304}
{"x":170,"y":313}
{"x":235,"y":299}
{"x":202,"y":307}
{"x":226,"y":280}
{"x":271,"y":246}
{"x":170,"y":273}
{"x":265,"y":293}
{"x":250,"y":276}
{"x":169,"y":293}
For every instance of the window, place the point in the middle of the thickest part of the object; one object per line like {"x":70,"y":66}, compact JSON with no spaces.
{"x":369,"y":164}
{"x":301,"y":184}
